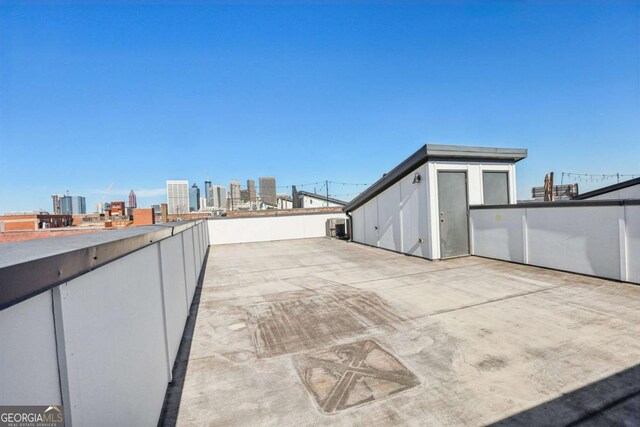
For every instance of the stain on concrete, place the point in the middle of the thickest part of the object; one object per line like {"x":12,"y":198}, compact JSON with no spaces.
{"x":492,"y":363}
{"x":292,"y":325}
{"x":353,"y":374}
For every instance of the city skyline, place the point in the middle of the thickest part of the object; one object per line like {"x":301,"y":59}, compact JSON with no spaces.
{"x":158,"y":196}
{"x":340,"y":92}
{"x":145,"y":198}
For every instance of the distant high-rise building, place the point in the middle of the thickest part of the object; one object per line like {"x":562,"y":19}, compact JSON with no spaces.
{"x":73,"y":205}
{"x":218,"y":195}
{"x":56,"y":198}
{"x":234,"y":193}
{"x":177,"y":196}
{"x":244,"y":196}
{"x":156,"y":209}
{"x":251,"y":189}
{"x":133,"y":201}
{"x":194,"y":198}
{"x":207,"y":193}
{"x":268,"y":190}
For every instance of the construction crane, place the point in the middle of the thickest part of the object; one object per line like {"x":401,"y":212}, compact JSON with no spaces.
{"x":104,"y":196}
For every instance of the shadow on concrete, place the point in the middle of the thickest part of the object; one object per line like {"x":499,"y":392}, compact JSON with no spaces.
{"x":612,"y":401}
{"x":171,"y":406}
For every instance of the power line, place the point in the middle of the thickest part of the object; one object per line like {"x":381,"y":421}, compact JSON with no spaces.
{"x":596,"y":177}
{"x":347,"y":183}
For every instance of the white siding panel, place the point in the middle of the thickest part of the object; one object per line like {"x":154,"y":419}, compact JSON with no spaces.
{"x":175,"y":292}
{"x":415,"y":221}
{"x":115,"y":342}
{"x":358,"y":225}
{"x":29,"y":367}
{"x":189,"y":263}
{"x":371,"y":222}
{"x":583,"y":239}
{"x":632,"y":215}
{"x":389,"y":232}
{"x":498,"y":233}
{"x":261,"y":229}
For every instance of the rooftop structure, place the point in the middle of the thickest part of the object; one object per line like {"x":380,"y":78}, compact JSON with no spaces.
{"x":313,"y":200}
{"x":421,"y":206}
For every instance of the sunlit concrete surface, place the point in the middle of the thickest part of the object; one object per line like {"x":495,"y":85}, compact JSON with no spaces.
{"x":324,"y":332}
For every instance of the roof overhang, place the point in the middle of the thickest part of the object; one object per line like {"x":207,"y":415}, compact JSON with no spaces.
{"x":431,"y":152}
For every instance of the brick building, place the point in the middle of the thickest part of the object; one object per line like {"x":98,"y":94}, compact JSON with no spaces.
{"x":143,"y":217}
{"x":33,"y":221}
{"x":118,"y":209}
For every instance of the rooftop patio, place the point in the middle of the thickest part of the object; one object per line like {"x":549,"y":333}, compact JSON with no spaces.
{"x":319,"y":331}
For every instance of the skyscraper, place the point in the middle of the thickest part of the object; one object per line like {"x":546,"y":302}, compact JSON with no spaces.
{"x":251,"y":189}
{"x":218,"y":195}
{"x":234,"y":191}
{"x":178,"y":196}
{"x":56,"y":198}
{"x":207,"y":193}
{"x":194,"y":198}
{"x":73,"y":205}
{"x":268,"y":190}
{"x":133,"y":201}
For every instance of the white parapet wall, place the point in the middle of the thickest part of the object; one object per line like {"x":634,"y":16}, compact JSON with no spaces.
{"x":106,"y":338}
{"x":265,"y":228}
{"x":595,"y":238}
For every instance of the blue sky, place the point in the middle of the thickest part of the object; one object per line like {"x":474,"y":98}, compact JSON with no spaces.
{"x":133,"y":94}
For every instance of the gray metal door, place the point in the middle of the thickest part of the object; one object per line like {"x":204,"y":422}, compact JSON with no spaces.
{"x":453,"y":211}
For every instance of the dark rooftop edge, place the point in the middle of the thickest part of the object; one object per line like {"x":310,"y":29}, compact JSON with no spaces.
{"x":605,"y":190}
{"x":31,"y":276}
{"x":560,"y":204}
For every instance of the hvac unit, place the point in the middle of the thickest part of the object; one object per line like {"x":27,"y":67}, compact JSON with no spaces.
{"x":337,"y":228}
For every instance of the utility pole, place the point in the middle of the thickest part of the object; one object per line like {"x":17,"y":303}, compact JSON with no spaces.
{"x":326,"y":184}
{"x":548,"y":187}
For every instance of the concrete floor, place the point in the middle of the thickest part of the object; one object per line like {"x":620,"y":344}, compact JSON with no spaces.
{"x":323,"y":332}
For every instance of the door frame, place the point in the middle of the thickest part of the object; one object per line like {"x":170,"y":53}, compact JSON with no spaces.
{"x":437,"y":201}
